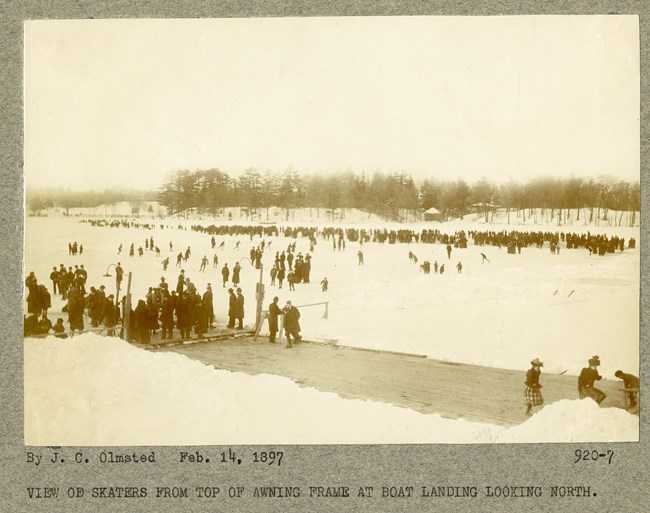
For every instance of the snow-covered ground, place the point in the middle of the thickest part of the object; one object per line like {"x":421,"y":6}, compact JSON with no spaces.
{"x":93,"y":390}
{"x":560,"y":308}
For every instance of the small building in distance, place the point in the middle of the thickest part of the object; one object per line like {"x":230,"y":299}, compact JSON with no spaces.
{"x":433,"y":214}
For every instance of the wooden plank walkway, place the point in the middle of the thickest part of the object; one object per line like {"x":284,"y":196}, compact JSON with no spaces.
{"x":453,"y":390}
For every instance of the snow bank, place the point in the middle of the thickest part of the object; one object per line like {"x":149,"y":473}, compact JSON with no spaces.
{"x":93,"y":390}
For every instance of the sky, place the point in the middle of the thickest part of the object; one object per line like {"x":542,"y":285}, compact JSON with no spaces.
{"x":124,"y":102}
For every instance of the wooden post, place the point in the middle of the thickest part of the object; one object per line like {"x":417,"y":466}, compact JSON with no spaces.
{"x":260,"y":301}
{"x":259,"y":326}
{"x":326,"y":314}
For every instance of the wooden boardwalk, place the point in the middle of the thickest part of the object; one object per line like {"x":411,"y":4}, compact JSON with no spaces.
{"x":453,"y":390}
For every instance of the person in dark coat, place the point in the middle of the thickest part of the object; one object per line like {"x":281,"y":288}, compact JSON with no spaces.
{"x":291,"y":323}
{"x":59,"y":329}
{"x":180,"y":283}
{"x":274,"y":313}
{"x":586,"y":381}
{"x":54,"y":276}
{"x":239,"y":310}
{"x":119,"y":276}
{"x":75,"y":310}
{"x":232,"y":308}
{"x":201,"y":318}
{"x":235,"y":274}
{"x":109,"y":313}
{"x":630,"y":381}
{"x":45,"y":300}
{"x":44,"y":325}
{"x":142,"y":323}
{"x":208,"y":305}
{"x":281,"y":274}
{"x":167,"y":318}
{"x":225,"y":274}
{"x":532,"y":392}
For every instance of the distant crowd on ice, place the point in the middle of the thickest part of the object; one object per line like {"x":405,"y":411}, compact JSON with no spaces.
{"x":517,"y":239}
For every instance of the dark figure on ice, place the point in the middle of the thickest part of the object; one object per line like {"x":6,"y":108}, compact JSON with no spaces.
{"x":274,"y":274}
{"x":291,"y":323}
{"x":109,"y":315}
{"x":75,"y":306}
{"x":235,"y":274}
{"x":59,"y":329}
{"x":459,"y":267}
{"x":532,"y":392}
{"x":225,"y":273}
{"x":232,"y":308}
{"x":324,"y":284}
{"x":119,"y":276}
{"x":165,"y":263}
{"x":208,"y":305}
{"x":239,"y":311}
{"x":586,"y":381}
{"x":204,"y":263}
{"x":274,"y":314}
{"x":180,"y":282}
{"x":632,"y":382}
{"x":215,"y":261}
{"x":281,"y":274}
{"x":449,"y":251}
{"x":54,"y":276}
{"x":360,"y":256}
{"x":484,"y":258}
{"x":179,"y":259}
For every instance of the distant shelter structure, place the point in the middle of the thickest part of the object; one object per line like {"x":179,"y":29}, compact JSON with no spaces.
{"x":432,"y":214}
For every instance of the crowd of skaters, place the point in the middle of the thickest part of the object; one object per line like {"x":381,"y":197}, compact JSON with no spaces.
{"x":514,"y":239}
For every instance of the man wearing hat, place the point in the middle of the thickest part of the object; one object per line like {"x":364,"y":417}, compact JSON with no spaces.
{"x":533,"y":392}
{"x":232,"y":308}
{"x":274,"y":313}
{"x":586,"y":381}
{"x":291,"y":323}
{"x":208,"y":305}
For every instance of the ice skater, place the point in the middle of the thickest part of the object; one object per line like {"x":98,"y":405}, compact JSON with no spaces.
{"x":484,"y":258}
{"x":532,"y":392}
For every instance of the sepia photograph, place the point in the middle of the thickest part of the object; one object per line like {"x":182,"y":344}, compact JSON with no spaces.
{"x":332,"y":230}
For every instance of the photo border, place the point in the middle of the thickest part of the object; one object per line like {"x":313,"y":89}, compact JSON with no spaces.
{"x":616,"y":486}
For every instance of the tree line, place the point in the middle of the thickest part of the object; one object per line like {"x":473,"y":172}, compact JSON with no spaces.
{"x":395,"y":196}
{"x":40,"y":199}
{"x":392,"y":196}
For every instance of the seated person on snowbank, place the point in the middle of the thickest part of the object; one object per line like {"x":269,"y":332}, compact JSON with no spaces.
{"x":586,"y":381}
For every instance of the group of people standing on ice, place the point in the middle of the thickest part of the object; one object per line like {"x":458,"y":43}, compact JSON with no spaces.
{"x":290,"y":322}
{"x":71,"y":285}
{"x":586,"y":384}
